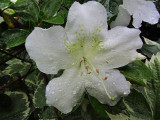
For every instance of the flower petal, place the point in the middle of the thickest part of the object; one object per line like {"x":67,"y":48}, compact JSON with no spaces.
{"x":119,"y":48}
{"x":142,"y":10}
{"x":123,"y":18}
{"x":46,"y":47}
{"x":116,"y":86}
{"x":88,"y":17}
{"x":65,"y":91}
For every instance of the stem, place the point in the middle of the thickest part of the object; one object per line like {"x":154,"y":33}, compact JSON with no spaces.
{"x":14,"y":81}
{"x":58,"y":117}
{"x":13,"y":56}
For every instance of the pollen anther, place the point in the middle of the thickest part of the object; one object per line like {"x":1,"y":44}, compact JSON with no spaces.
{"x":97,"y":70}
{"x":107,"y":61}
{"x":81,"y":60}
{"x":73,"y":64}
{"x":82,"y":71}
{"x":105,"y":78}
{"x":89,"y":72}
{"x":87,"y":66}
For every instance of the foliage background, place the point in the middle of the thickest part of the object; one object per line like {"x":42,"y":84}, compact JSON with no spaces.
{"x":22,"y":85}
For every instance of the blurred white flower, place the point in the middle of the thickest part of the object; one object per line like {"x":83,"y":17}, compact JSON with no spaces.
{"x":88,"y":52}
{"x":141,"y":10}
{"x":13,"y":1}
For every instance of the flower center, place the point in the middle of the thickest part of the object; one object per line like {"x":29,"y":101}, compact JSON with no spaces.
{"x":87,"y":44}
{"x":84,"y":50}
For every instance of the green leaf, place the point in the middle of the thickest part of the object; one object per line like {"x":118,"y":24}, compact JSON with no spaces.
{"x":98,"y":107}
{"x":14,"y":37}
{"x":137,"y":105}
{"x":136,"y":71}
{"x":122,"y":116}
{"x":58,"y":19}
{"x":50,"y":7}
{"x":68,"y":3}
{"x":29,"y":8}
{"x":18,"y":109}
{"x":4,"y":3}
{"x":150,"y":47}
{"x":32,"y":82}
{"x":39,"y":98}
{"x":48,"y":113}
{"x":149,"y":42}
{"x":149,"y":50}
{"x":16,"y":67}
{"x":113,"y":6}
{"x":153,"y":90}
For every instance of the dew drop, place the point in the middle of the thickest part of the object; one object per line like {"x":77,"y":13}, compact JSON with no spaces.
{"x":74,"y":92}
{"x":125,"y":93}
{"x":60,"y":90}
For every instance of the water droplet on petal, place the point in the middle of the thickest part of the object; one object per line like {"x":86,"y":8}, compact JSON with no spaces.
{"x":125,"y":93}
{"x":74,"y":92}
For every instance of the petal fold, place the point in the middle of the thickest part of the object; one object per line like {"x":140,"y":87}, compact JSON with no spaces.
{"x":46,"y":47}
{"x":115,"y":84}
{"x":65,"y":91}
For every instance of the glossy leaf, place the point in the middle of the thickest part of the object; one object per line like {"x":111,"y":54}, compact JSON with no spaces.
{"x":39,"y":98}
{"x":50,"y":7}
{"x":137,"y":105}
{"x":137,"y":72}
{"x":14,"y":37}
{"x":58,"y":19}
{"x":101,"y":109}
{"x":4,"y":3}
{"x":18,"y":109}
{"x":48,"y":113}
{"x":153,"y":90}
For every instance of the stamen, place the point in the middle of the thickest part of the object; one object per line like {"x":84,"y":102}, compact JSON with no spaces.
{"x":105,"y":78}
{"x":112,"y":98}
{"x":73,"y":64}
{"x":81,"y":60}
{"x":89,"y":72}
{"x":87,"y":66}
{"x":82,"y":71}
{"x":97,"y":70}
{"x":107,"y":61}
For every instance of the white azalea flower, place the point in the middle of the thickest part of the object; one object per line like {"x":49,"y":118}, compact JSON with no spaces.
{"x":88,"y":52}
{"x":141,"y":10}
